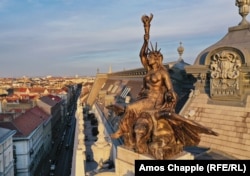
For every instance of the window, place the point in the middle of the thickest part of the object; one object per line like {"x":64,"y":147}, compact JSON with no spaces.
{"x":125,"y":92}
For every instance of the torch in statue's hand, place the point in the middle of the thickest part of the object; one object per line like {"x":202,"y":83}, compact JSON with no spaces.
{"x":146,"y":21}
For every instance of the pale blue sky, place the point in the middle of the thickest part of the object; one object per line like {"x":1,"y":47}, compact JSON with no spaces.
{"x":69,"y":37}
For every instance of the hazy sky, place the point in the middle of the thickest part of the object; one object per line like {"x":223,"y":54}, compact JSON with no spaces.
{"x":69,"y":37}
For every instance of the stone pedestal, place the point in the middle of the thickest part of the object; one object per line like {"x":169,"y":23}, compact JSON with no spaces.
{"x":183,"y":156}
{"x":125,"y":161}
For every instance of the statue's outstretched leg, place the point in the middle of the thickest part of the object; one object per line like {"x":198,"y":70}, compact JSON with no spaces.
{"x":122,"y":129}
{"x":117,"y":108}
{"x":127,"y":137}
{"x":125,"y":130}
{"x":117,"y":134}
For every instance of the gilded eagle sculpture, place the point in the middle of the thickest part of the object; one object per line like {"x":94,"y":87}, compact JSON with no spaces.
{"x":150,"y":125}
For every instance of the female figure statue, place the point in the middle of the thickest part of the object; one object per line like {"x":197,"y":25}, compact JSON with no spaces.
{"x":157,"y":91}
{"x":150,"y":124}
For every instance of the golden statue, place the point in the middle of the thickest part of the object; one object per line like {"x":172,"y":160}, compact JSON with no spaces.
{"x":150,"y":125}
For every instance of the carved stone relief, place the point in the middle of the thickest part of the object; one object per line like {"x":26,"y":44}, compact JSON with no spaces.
{"x":225,"y":65}
{"x":225,"y":71}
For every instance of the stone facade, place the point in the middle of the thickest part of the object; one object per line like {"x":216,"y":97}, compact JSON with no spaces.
{"x":220,"y":99}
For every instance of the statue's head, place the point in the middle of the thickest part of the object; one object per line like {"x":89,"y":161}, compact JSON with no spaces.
{"x":154,"y":55}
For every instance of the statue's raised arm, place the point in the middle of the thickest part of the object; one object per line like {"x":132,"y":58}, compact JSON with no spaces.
{"x":144,"y":50}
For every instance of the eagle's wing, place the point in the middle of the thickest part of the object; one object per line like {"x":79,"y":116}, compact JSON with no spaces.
{"x":187,"y":131}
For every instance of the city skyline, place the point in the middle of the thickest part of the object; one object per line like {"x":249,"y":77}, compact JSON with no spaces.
{"x":75,"y":37}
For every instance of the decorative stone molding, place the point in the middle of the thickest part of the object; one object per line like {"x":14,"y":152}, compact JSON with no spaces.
{"x":243,"y":10}
{"x":101,"y":148}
